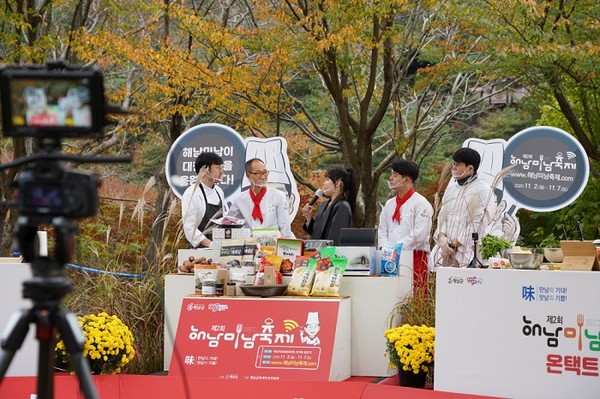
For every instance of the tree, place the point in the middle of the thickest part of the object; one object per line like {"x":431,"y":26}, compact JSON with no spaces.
{"x":552,"y":47}
{"x":368,"y":58}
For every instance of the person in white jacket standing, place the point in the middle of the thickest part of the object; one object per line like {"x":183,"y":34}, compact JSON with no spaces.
{"x":467,"y":208}
{"x":406,"y":218}
{"x":261,"y":206}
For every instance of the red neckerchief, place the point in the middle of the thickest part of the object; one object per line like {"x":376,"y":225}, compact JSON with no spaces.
{"x":400,"y":202}
{"x":256,"y":213}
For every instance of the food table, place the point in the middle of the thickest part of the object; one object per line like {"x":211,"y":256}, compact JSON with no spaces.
{"x":373,"y":298}
{"x":518,"y":333}
{"x":12,"y":276}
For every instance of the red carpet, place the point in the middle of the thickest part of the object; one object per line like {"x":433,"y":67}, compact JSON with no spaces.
{"x":150,"y":387}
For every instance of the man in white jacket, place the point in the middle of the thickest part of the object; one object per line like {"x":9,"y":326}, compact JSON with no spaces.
{"x":261,"y":206}
{"x":407,"y":218}
{"x":467,"y":206}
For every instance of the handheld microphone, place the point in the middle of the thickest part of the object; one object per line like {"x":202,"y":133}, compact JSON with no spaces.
{"x":318,"y":194}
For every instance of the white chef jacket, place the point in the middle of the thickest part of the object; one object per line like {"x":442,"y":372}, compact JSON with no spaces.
{"x":414,"y":229}
{"x":465,"y":210}
{"x":193,"y":208}
{"x":273,"y":207}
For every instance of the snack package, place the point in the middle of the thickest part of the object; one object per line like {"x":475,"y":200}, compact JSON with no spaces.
{"x":390,"y":259}
{"x":300,"y":261}
{"x":327,"y":252}
{"x":302,"y":279}
{"x":328,"y":277}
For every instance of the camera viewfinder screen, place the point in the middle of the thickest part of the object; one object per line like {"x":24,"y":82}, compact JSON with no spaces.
{"x":44,"y":196}
{"x":51,"y":102}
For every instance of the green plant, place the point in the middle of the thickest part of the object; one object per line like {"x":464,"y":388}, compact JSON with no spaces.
{"x":108,"y":343}
{"x":412,"y":347}
{"x":491,"y":245}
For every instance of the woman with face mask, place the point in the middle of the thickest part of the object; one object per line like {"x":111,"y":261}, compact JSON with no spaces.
{"x":336,"y":212}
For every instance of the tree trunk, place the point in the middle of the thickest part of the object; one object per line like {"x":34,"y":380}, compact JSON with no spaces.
{"x":163,"y":202}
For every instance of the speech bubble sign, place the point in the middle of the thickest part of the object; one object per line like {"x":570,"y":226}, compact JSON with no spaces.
{"x":551,"y":168}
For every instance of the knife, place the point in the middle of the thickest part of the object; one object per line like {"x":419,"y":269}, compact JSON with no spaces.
{"x":579,"y":230}
{"x":564,"y":229}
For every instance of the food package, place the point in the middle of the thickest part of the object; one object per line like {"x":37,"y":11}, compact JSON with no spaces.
{"x":328,"y":277}
{"x":390,"y":259}
{"x":250,"y":247}
{"x":232,"y":251}
{"x":302,"y":279}
{"x":204,"y":272}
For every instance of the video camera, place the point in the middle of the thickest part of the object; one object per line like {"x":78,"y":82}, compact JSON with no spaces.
{"x":49,"y":102}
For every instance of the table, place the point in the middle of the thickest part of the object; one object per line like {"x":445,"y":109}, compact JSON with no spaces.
{"x":518,"y":333}
{"x":373,"y":298}
{"x":12,"y":276}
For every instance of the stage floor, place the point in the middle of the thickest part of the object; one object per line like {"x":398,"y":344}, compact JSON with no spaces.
{"x":124,"y":386}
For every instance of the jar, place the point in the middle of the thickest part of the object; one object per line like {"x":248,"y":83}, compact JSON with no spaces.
{"x":230,"y":289}
{"x":219,"y":289}
{"x":208,"y":286}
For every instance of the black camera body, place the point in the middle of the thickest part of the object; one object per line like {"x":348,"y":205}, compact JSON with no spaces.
{"x":48,"y":190}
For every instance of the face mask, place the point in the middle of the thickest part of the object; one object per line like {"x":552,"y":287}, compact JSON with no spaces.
{"x":391,"y":187}
{"x":458,"y":176}
{"x":215,"y":180}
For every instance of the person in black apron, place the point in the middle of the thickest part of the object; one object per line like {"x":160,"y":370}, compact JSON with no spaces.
{"x":335,"y":213}
{"x":203,"y":201}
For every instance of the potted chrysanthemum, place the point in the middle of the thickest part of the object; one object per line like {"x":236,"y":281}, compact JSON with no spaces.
{"x":411,"y":349}
{"x":108,"y":343}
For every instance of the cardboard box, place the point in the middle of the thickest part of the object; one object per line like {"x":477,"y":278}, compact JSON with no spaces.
{"x":360,"y":259}
{"x":579,"y":255}
{"x":208,"y":253}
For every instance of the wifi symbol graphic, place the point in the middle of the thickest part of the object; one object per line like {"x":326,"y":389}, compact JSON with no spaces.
{"x":290,"y":325}
{"x":570,"y":155}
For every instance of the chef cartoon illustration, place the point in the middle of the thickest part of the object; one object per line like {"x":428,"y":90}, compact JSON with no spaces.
{"x":308,"y":333}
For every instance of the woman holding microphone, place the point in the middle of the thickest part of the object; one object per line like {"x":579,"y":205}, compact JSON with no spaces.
{"x":335,"y":213}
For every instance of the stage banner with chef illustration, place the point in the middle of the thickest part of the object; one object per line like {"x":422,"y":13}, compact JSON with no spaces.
{"x":256,"y":339}
{"x":235,"y":151}
{"x":547,"y":169}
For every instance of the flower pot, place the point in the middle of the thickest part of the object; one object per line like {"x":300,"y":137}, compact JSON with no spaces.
{"x":410,"y":379}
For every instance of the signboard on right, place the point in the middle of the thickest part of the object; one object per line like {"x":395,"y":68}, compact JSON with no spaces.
{"x":551,"y":168}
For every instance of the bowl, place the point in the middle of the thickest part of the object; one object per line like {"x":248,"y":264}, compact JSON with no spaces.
{"x":264,"y":291}
{"x":520,"y":260}
{"x":553,"y":255}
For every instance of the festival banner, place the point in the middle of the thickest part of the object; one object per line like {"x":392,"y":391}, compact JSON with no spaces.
{"x":255,"y":338}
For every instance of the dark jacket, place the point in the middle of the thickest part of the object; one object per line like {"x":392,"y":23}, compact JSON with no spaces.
{"x":329,"y":220}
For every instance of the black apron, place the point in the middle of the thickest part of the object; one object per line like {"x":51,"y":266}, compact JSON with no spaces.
{"x":210,"y":211}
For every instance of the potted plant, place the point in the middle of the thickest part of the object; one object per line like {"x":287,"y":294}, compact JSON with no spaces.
{"x":491,"y":245}
{"x":108,"y":344}
{"x":411,"y":350}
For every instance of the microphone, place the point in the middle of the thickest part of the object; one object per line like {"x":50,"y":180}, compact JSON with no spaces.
{"x":318,"y":194}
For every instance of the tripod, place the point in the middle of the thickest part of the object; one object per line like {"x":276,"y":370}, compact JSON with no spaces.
{"x":46,"y":289}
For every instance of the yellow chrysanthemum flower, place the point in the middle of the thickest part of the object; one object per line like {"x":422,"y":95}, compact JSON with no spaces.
{"x":108,"y":343}
{"x":411,"y":347}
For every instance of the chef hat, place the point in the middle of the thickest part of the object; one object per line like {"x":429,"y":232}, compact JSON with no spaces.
{"x":313,"y":318}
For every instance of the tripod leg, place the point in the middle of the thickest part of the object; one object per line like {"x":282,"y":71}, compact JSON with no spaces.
{"x":13,"y":337}
{"x":69,"y":329}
